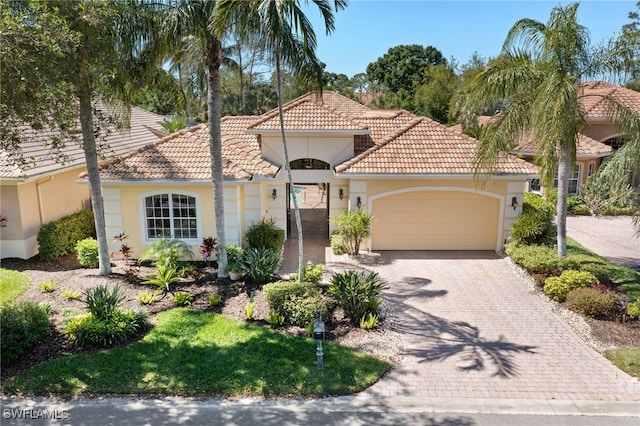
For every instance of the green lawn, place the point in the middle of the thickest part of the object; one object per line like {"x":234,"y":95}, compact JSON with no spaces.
{"x":626,"y":359}
{"x":195,"y":353}
{"x":12,"y":284}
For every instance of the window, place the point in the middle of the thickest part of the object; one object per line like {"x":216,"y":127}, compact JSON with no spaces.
{"x":171,"y":216}
{"x":574,"y":180}
{"x":616,"y":142}
{"x":590,"y":169}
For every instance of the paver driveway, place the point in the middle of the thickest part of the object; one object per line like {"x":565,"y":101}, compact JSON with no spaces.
{"x":472,"y":328}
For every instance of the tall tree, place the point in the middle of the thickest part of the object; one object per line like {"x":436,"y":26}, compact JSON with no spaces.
{"x":402,"y":67}
{"x":91,"y":49}
{"x":189,"y":24}
{"x":289,"y":39}
{"x":536,"y":76}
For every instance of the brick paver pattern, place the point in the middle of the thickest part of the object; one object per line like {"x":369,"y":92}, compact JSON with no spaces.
{"x":473,"y":329}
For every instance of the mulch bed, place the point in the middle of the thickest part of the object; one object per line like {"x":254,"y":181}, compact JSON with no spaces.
{"x":68,"y":275}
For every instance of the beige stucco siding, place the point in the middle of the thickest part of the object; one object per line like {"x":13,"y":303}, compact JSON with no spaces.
{"x":601,"y":131}
{"x":28,"y":205}
{"x":128,"y":201}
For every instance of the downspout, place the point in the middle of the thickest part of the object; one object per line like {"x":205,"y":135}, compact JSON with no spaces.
{"x":39,"y":196}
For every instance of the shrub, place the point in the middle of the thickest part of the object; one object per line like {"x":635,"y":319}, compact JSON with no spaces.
{"x":146,"y":297}
{"x":166,"y":252}
{"x":71,"y":294}
{"x":558,"y":287}
{"x":88,"y":330}
{"x":215,"y":299}
{"x":265,"y":235}
{"x":21,"y":326}
{"x":369,"y":321}
{"x":310,"y":273}
{"x":353,"y":226}
{"x":534,"y":225}
{"x":165,"y":277}
{"x":60,"y":237}
{"x":103,"y":302}
{"x":87,"y":253}
{"x":275,"y":319}
{"x":337,"y":244}
{"x":47,"y":286}
{"x":182,"y":298}
{"x":576,"y":206}
{"x":532,"y":228}
{"x":235,"y":259}
{"x":125,"y":251}
{"x":598,"y":267}
{"x":633,"y":310}
{"x":262,"y":264}
{"x":357,"y":293}
{"x":536,"y":259}
{"x":298,"y":303}
{"x":592,"y":302}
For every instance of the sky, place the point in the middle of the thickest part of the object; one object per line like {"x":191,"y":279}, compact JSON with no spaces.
{"x":366,"y":29}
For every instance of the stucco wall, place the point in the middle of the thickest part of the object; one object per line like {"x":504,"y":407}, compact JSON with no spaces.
{"x":29,"y":205}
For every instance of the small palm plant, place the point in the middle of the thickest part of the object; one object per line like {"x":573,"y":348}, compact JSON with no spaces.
{"x":165,"y":277}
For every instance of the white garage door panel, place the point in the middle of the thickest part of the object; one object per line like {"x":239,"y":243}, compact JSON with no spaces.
{"x":435,"y":220}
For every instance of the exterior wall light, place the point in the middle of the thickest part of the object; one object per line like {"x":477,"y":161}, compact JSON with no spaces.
{"x":274,"y":193}
{"x":359,"y":202}
{"x":514,"y":202}
{"x":341,"y":194}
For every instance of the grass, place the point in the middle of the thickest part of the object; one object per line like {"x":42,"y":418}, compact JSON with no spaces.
{"x":195,"y":353}
{"x":626,"y":359}
{"x":12,"y":284}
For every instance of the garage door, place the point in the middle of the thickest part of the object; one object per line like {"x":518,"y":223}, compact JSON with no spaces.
{"x":435,"y":220}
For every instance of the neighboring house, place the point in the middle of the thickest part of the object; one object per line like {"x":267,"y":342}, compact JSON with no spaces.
{"x":45,"y":188}
{"x":414,"y":175}
{"x":600,"y":138}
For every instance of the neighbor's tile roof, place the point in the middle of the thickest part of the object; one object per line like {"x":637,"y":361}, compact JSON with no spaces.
{"x":42,"y":159}
{"x":586,"y":146}
{"x":423,"y":146}
{"x":595,"y":98}
{"x":185,"y":155}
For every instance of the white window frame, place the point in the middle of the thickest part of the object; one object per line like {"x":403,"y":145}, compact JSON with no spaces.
{"x":143,"y":216}
{"x":591,"y":168}
{"x":574,"y":177}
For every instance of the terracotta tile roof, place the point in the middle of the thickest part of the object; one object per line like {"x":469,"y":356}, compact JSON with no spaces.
{"x":46,"y":160}
{"x":595,"y":95}
{"x":423,"y":146}
{"x":586,"y":147}
{"x":388,"y":142}
{"x":185,"y":155}
{"x":305,"y":113}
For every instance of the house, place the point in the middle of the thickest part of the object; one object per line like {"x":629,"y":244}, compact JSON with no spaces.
{"x":414,"y":175}
{"x":600,"y":137}
{"x":46,"y":189}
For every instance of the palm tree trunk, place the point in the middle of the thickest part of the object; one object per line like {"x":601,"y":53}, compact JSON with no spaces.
{"x":564,"y":168}
{"x":93,"y":173}
{"x":292,"y":193}
{"x":215,"y":148}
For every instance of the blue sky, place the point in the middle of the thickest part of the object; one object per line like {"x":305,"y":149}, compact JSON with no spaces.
{"x":366,"y":29}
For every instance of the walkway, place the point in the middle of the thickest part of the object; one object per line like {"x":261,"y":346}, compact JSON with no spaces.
{"x":613,"y":237}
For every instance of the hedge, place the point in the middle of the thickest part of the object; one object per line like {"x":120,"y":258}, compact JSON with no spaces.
{"x":60,"y":237}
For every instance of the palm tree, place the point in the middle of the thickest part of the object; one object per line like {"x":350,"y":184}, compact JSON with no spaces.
{"x":536,"y":78}
{"x":289,"y":39}
{"x":192,"y":21}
